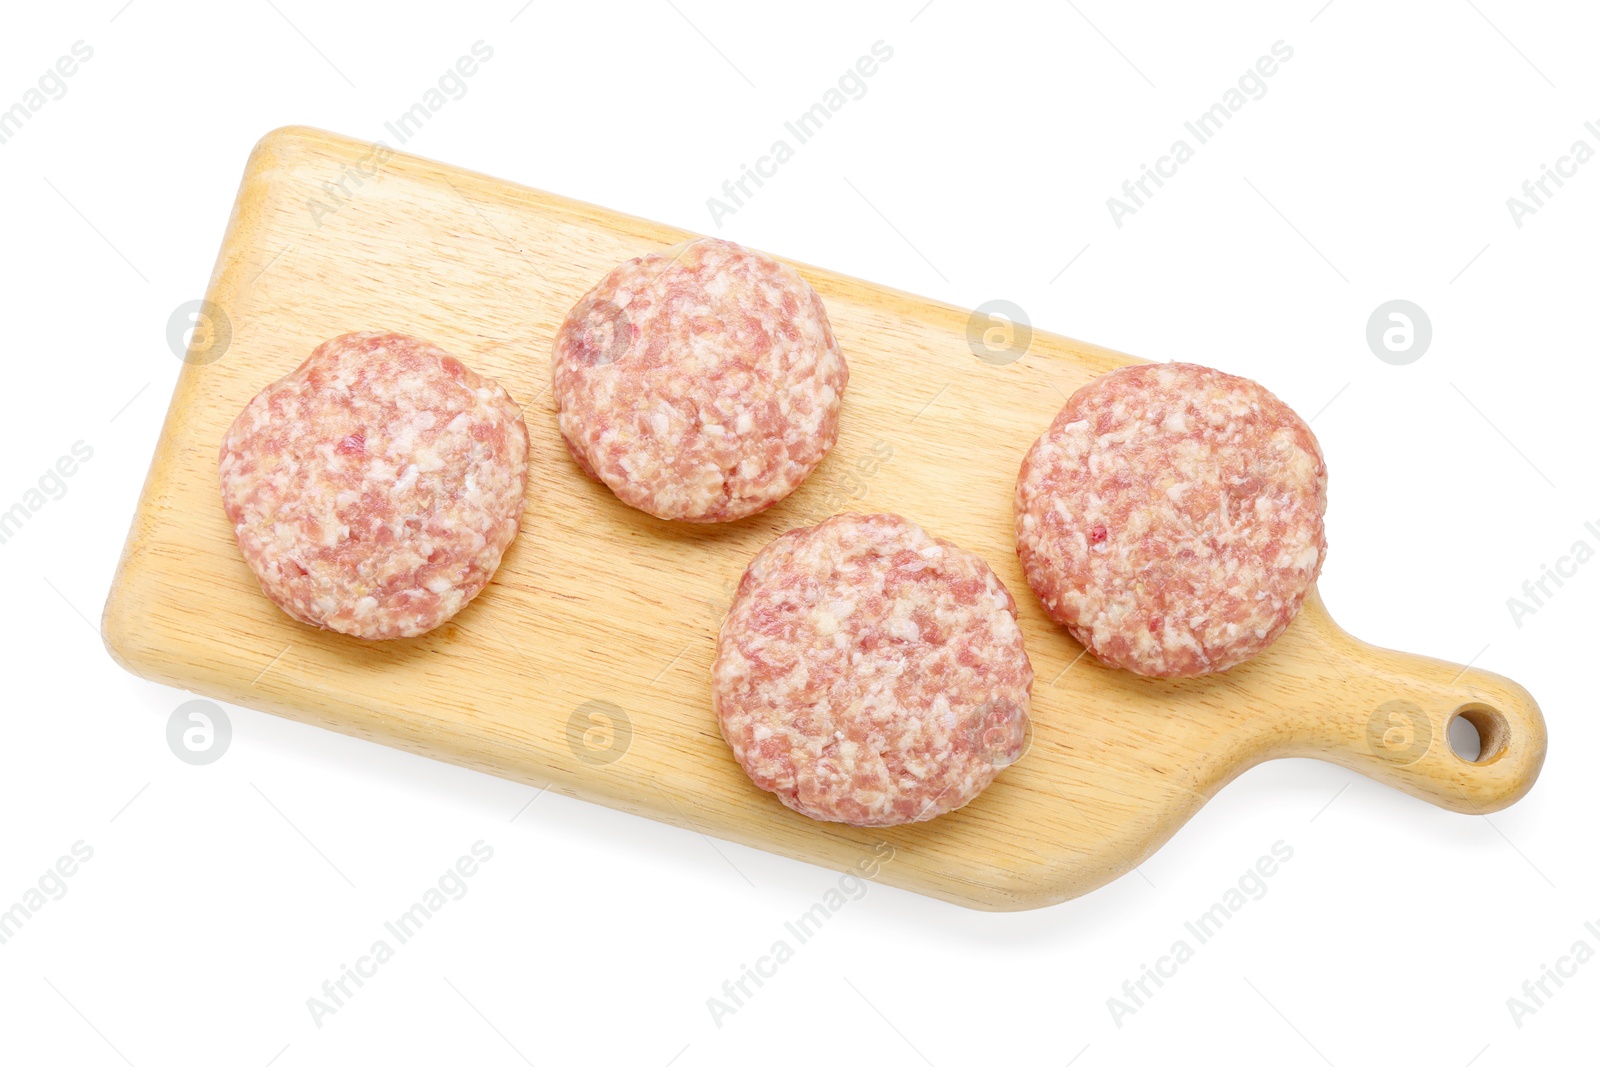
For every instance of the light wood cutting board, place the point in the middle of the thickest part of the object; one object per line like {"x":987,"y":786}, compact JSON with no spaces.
{"x":585,"y":664}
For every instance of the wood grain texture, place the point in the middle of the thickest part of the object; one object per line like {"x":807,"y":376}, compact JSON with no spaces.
{"x":599,"y":603}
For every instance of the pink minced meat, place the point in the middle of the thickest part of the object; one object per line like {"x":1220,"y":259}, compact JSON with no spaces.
{"x":700,"y":383}
{"x":374,"y":489}
{"x":1171,"y":518}
{"x":870,"y":674}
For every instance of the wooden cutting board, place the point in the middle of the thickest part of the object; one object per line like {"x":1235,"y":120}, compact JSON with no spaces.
{"x":584,"y":666}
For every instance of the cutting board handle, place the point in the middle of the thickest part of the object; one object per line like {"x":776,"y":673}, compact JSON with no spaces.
{"x":1387,"y":715}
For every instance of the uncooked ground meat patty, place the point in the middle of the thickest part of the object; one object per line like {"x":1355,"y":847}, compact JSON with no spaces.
{"x":375,"y":487}
{"x":699,"y":383}
{"x":870,"y":674}
{"x":1171,"y":518}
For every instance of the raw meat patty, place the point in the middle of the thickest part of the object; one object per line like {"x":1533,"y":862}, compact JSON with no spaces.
{"x":1171,"y":518}
{"x":870,"y":674}
{"x":699,"y":383}
{"x":374,"y":489}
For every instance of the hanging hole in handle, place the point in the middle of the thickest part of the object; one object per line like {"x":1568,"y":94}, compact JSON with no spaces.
{"x":1478,"y":733}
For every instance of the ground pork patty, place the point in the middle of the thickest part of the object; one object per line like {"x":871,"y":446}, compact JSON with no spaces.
{"x":374,"y":488}
{"x":870,"y":674}
{"x":1171,"y":518}
{"x":701,"y":383}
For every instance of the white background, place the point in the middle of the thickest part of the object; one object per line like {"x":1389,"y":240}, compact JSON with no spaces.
{"x":977,"y":166}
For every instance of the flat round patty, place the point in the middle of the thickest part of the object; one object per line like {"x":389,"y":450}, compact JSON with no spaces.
{"x":700,"y":383}
{"x":374,"y":489}
{"x":1171,"y":518}
{"x":870,"y":674}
